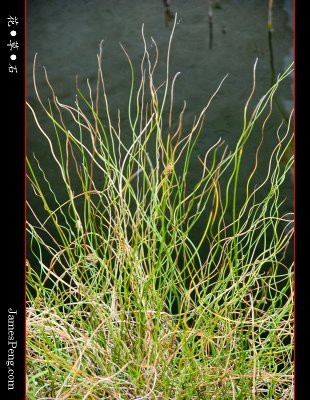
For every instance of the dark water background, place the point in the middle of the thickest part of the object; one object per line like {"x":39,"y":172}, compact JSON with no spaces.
{"x":66,"y":35}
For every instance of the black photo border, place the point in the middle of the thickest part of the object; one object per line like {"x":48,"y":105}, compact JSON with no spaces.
{"x":12,"y":303}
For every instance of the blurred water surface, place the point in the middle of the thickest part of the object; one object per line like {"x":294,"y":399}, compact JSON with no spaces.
{"x":66,"y":36}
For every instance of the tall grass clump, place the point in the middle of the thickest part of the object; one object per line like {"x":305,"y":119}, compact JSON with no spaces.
{"x":124,"y":300}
